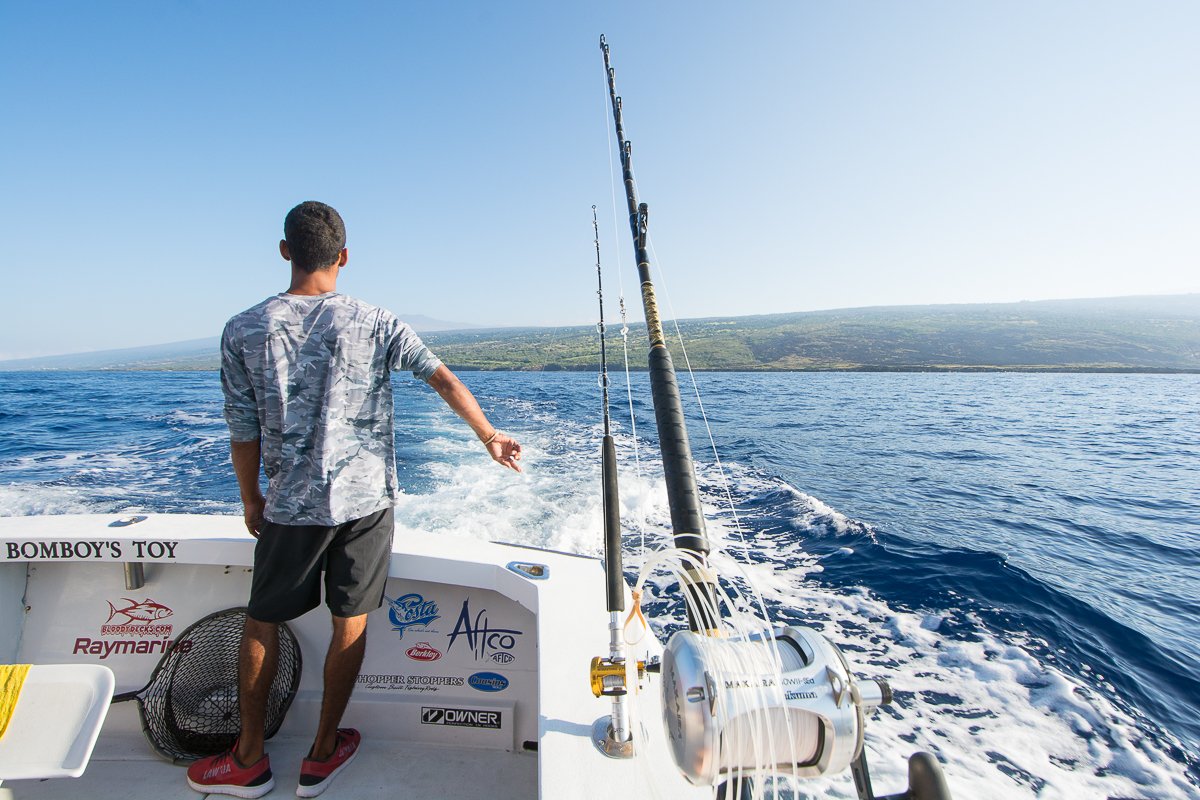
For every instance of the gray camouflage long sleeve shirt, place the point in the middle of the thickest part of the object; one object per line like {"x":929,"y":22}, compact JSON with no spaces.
{"x":310,"y":377}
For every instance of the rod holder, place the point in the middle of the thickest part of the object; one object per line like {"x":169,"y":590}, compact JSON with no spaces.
{"x":135,"y":575}
{"x":606,"y":743}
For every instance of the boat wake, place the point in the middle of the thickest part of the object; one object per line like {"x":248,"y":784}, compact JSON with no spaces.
{"x":1005,"y":720}
{"x":975,"y":683}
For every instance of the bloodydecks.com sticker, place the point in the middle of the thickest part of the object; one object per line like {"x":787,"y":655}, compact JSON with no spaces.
{"x":130,"y":627}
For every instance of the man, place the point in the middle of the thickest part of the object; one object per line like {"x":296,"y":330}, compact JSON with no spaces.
{"x":307,"y":382}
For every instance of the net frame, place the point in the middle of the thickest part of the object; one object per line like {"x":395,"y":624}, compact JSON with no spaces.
{"x":190,"y":708}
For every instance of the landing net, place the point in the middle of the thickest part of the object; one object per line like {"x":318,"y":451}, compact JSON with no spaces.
{"x":190,"y":707}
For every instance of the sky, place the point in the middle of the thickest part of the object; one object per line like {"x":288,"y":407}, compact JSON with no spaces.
{"x":795,"y":156}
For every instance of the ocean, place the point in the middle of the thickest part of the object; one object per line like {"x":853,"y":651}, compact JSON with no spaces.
{"x":1015,"y":553}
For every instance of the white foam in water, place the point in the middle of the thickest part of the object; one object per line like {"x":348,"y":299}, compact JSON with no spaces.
{"x":74,"y":463}
{"x":17,"y":500}
{"x":1004,"y":724}
{"x":473,"y":496}
{"x":105,"y":482}
{"x":197,"y":419}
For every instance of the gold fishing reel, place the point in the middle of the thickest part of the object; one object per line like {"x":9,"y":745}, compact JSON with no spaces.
{"x":608,"y":676}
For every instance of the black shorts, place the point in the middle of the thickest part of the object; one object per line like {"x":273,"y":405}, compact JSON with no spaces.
{"x":289,"y":559}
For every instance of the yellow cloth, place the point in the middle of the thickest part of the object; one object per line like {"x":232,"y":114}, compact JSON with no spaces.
{"x":12,"y":678}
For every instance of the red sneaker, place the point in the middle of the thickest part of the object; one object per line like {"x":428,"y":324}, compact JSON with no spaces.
{"x":222,"y":774}
{"x":315,"y":776}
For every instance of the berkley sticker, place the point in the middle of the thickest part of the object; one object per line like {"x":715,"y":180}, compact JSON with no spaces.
{"x":488,"y":682}
{"x":423,"y":651}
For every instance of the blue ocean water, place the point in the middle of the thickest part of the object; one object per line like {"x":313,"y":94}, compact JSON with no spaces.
{"x":1015,"y":553}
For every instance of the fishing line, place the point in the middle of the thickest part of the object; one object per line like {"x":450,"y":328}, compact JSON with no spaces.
{"x":637,"y":460}
{"x":765,"y":737}
{"x":737,"y":523}
{"x":756,"y":594}
{"x":760,"y":727}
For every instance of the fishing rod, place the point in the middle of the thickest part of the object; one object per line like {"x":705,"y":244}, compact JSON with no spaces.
{"x":687,"y":517}
{"x":744,"y":702}
{"x":612,"y":506}
{"x":613,"y":734}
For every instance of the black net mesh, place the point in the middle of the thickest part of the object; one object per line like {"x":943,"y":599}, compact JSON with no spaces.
{"x":190,"y":708}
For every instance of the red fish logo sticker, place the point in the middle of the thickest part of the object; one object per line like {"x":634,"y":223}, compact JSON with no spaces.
{"x":136,"y":613}
{"x":131,"y":628}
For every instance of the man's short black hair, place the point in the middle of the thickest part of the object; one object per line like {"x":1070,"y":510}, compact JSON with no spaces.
{"x":315,"y":235}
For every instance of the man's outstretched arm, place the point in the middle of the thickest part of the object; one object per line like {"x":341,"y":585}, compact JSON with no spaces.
{"x":504,"y":449}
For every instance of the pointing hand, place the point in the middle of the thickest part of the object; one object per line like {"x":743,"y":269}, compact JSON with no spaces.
{"x":505,"y":451}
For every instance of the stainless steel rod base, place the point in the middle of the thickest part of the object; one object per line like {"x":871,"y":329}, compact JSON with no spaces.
{"x":602,"y":738}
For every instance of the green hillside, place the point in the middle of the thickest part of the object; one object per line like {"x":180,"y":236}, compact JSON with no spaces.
{"x":1144,"y":334}
{"x":1141,"y":334}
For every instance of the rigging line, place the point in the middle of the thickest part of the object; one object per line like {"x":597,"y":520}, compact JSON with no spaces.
{"x":612,"y":185}
{"x":633,"y":428}
{"x":600,"y":327}
{"x":737,"y":522}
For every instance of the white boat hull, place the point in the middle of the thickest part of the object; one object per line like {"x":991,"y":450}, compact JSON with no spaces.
{"x":475,"y":683}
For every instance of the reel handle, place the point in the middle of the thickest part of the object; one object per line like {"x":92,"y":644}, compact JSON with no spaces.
{"x":925,"y":779}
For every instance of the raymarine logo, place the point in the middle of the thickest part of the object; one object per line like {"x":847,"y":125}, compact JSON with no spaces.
{"x":107,"y":647}
{"x":461,"y":717}
{"x":411,"y":610}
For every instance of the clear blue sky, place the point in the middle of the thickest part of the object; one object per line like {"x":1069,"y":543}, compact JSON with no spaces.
{"x":794,"y":155}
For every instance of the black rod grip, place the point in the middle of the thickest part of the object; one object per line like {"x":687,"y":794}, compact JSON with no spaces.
{"x":614,"y":572}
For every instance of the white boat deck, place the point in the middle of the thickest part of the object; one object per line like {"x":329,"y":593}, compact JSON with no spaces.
{"x":125,"y":769}
{"x":50,"y":602}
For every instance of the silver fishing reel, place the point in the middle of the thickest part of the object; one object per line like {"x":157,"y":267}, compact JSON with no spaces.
{"x":784,"y":705}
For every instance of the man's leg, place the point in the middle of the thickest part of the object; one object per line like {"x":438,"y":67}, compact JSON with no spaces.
{"x":342,"y":663}
{"x":258,"y":660}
